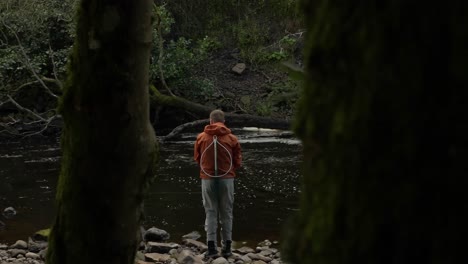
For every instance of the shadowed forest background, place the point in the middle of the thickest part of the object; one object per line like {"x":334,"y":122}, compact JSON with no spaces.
{"x":382,"y":118}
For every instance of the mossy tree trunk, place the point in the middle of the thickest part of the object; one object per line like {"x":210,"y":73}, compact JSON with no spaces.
{"x":109,"y":147}
{"x":384,"y":122}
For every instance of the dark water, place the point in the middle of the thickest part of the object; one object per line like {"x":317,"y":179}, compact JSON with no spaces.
{"x":266,"y":187}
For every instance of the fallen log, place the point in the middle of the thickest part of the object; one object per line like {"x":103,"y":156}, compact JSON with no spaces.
{"x":232,"y":119}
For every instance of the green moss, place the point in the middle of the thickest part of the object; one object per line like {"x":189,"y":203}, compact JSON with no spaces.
{"x":42,"y":234}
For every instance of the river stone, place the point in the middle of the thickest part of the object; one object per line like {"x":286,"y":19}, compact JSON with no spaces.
{"x":192,"y":235}
{"x":265,"y":253}
{"x":220,"y":260}
{"x":3,"y":254}
{"x":193,"y":243}
{"x":20,"y":244}
{"x":157,"y":247}
{"x":259,"y":257}
{"x":156,"y":257}
{"x":273,"y":250}
{"x":43,"y":253}
{"x":244,"y":250}
{"x":246,"y":259}
{"x":275,"y":261}
{"x":15,"y":252}
{"x":9,"y":212}
{"x":173,"y":252}
{"x":187,"y":257}
{"x":239,"y":68}
{"x":3,"y":247}
{"x":140,"y":256}
{"x":156,"y":235}
{"x":265,"y":243}
{"x":259,"y":262}
{"x":32,"y":255}
{"x":35,"y":247}
{"x":142,"y":262}
{"x":258,"y":249}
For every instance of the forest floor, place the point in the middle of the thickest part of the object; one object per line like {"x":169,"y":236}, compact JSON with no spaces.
{"x":263,"y":90}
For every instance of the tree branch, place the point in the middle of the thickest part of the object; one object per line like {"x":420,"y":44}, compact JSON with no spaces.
{"x":57,"y":80}
{"x":176,"y":131}
{"x":28,"y":63}
{"x":161,"y":51}
{"x":25,"y":109}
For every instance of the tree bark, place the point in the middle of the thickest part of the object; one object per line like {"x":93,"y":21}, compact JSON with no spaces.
{"x":232,"y":119}
{"x":383,"y":121}
{"x":109,"y":147}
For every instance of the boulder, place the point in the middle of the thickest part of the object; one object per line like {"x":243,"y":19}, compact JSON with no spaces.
{"x":20,"y":244}
{"x":35,"y":247}
{"x":3,"y":247}
{"x":156,"y":235}
{"x":239,"y":68}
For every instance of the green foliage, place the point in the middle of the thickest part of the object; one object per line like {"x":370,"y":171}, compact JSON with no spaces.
{"x":198,"y":88}
{"x":33,"y":34}
{"x":179,"y":58}
{"x":264,"y":108}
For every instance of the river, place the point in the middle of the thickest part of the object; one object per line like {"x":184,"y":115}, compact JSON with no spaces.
{"x":266,"y":188}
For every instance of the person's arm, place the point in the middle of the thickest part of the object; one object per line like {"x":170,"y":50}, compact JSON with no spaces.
{"x":196,"y":151}
{"x":237,"y":155}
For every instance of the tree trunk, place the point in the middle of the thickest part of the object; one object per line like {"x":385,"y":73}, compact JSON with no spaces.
{"x":383,"y":120}
{"x":109,"y":147}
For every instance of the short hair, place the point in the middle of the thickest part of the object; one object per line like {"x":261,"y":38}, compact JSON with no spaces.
{"x":217,"y":115}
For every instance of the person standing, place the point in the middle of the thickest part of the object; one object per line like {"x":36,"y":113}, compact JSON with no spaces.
{"x":218,"y":153}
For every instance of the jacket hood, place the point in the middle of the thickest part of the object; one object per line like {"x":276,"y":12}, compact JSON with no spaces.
{"x":218,"y":129}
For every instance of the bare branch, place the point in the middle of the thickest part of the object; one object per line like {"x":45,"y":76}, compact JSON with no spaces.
{"x":25,"y":85}
{"x":51,"y":55}
{"x":44,"y":128}
{"x":28,"y":63}
{"x":176,"y":131}
{"x":25,"y":109}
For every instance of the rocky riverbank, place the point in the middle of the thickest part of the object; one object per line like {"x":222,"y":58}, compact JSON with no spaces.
{"x":154,"y":248}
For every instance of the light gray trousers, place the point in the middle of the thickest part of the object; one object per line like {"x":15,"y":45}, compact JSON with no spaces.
{"x":218,"y":200}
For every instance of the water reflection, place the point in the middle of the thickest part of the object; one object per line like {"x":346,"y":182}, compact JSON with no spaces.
{"x":266,"y":187}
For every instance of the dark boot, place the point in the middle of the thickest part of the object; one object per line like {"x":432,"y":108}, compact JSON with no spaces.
{"x":226,"y":251}
{"x":212,"y":251}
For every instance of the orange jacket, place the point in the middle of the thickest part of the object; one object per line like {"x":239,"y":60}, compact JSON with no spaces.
{"x":228,"y":149}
